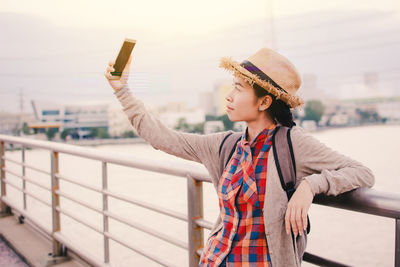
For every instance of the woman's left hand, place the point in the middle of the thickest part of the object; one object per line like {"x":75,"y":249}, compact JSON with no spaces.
{"x":296,"y":213}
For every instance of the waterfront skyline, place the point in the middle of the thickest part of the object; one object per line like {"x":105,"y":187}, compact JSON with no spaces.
{"x":46,"y":55}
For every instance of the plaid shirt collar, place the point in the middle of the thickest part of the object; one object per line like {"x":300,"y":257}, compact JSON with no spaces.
{"x":260,"y":138}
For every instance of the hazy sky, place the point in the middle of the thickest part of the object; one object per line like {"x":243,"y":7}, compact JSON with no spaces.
{"x":58,"y":50}
{"x":198,"y":16}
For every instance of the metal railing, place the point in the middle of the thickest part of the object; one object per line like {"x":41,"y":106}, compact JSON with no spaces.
{"x":361,"y":200}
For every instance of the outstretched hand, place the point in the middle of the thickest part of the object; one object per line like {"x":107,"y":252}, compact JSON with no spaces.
{"x":117,"y":84}
{"x":296,"y":213}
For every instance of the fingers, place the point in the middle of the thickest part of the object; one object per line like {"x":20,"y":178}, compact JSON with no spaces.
{"x":293,"y":223}
{"x":111,"y":63}
{"x":296,"y":220}
{"x":304,"y":217}
{"x":299,"y":222}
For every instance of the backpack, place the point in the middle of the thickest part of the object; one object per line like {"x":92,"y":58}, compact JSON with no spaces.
{"x":283,"y":154}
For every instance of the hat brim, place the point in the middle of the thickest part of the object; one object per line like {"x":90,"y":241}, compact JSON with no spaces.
{"x":292,"y":100}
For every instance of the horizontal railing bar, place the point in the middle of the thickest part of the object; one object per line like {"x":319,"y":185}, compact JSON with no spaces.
{"x":37,"y":198}
{"x":63,"y":211}
{"x":85,"y":185}
{"x":26,"y":192}
{"x":61,"y":238}
{"x":12,"y":160}
{"x":36,"y":169}
{"x":181,"y":170}
{"x":138,"y":250}
{"x":48,"y":188}
{"x":203,"y":223}
{"x":320,"y":261}
{"x":382,"y":204}
{"x":364,"y":200}
{"x":27,"y":215}
{"x":7,"y":181}
{"x":148,"y":230}
{"x":126,"y":221}
{"x":11,"y":172}
{"x":83,"y":203}
{"x":79,"y":250}
{"x":45,"y":187}
{"x":155,"y":208}
{"x":26,"y":165}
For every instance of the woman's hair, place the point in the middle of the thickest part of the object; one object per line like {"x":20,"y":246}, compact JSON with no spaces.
{"x":278,"y":111}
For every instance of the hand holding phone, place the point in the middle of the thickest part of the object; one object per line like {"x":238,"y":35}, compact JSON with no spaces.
{"x":118,"y":71}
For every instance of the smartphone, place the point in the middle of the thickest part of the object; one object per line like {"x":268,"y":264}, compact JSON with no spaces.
{"x":122,"y":58}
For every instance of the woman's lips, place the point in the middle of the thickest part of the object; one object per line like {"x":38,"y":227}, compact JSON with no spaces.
{"x":229,"y":108}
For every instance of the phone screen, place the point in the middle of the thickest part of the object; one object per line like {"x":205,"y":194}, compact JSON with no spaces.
{"x":123,"y":57}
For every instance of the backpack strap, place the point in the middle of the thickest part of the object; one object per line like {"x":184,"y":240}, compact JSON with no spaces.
{"x":226,"y":149}
{"x":284,"y":159}
{"x":285,"y":162}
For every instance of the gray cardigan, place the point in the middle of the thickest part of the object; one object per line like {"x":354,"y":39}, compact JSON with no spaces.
{"x":326,"y":170}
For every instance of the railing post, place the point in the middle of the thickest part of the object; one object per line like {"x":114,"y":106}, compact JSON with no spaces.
{"x":3,"y":206}
{"x":23,"y":175}
{"x":55,"y":201}
{"x":397,"y":244}
{"x":105,"y":217}
{"x":195,"y":211}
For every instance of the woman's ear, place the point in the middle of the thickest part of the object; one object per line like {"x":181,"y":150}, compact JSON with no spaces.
{"x":265,"y":103}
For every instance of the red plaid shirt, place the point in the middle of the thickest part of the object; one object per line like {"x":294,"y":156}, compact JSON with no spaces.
{"x":241,"y":191}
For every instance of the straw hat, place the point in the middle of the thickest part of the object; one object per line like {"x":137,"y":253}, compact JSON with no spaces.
{"x":271,"y":71}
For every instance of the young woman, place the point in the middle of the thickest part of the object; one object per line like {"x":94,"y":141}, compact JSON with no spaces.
{"x":256,"y":219}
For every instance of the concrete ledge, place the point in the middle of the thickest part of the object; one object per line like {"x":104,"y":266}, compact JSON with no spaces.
{"x":33,"y":247}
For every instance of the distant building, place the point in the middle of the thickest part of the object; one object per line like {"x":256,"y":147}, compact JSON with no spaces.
{"x":118,"y":122}
{"x":80,"y":118}
{"x":171,"y":113}
{"x":11,"y":123}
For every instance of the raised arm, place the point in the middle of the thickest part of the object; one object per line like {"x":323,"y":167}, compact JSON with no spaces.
{"x":189,"y":146}
{"x":199,"y":148}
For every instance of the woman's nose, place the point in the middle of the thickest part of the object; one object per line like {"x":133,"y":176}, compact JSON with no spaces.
{"x":228,"y":97}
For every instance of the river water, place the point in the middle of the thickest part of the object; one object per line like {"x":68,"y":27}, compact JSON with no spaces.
{"x":353,"y":238}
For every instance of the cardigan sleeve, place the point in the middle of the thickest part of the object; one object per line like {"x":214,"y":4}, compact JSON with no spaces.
{"x":326,"y":170}
{"x":148,"y":126}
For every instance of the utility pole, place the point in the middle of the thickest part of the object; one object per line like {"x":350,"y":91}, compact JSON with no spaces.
{"x":21,"y":110}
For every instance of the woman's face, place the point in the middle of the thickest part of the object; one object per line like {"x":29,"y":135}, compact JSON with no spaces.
{"x":242,"y":102}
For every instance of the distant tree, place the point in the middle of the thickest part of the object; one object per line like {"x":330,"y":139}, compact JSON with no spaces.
{"x":51,"y":133}
{"x":211,"y":118}
{"x":98,"y":132}
{"x":93,"y":132}
{"x":228,"y":124}
{"x":128,"y":134}
{"x":102,"y":133}
{"x":183,"y":125}
{"x":65,"y":133}
{"x":25,"y":128}
{"x":314,"y":110}
{"x":198,"y":128}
